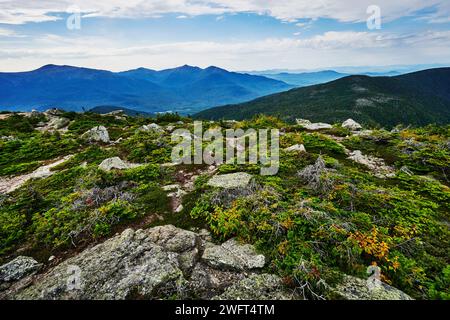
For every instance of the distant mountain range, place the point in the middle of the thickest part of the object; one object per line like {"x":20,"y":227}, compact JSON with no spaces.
{"x":185,"y":89}
{"x":416,"y":98}
{"x":304,"y":79}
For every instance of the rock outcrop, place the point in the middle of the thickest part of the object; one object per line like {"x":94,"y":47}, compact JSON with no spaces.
{"x":231,"y":180}
{"x":258,"y":287}
{"x":156,"y":263}
{"x":96,"y":134}
{"x":352,"y":288}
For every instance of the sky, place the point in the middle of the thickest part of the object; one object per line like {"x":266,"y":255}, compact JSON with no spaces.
{"x":233,"y":34}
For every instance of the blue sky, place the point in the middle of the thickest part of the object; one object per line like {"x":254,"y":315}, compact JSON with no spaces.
{"x":233,"y":34}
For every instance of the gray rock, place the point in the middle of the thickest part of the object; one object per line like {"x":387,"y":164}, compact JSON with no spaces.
{"x":96,"y":134}
{"x":233,"y":256}
{"x":206,"y":282}
{"x":258,"y":287}
{"x":351,"y":125}
{"x":352,"y":288}
{"x":154,"y":263}
{"x":376,"y":165}
{"x":115,"y":163}
{"x":18,"y":268}
{"x":317,"y":126}
{"x":124,"y":266}
{"x":296,"y":147}
{"x":58,"y":122}
{"x":232,"y":180}
{"x":302,"y":122}
{"x":152,"y":127}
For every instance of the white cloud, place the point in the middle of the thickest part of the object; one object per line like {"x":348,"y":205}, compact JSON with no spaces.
{"x":320,"y":51}
{"x":23,"y":11}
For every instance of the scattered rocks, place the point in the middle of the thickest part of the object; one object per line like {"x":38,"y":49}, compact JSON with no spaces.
{"x":233,"y":256}
{"x":351,"y":125}
{"x":352,"y":288}
{"x":296,"y":147}
{"x":232,"y":180}
{"x":116,"y":163}
{"x":96,"y":134}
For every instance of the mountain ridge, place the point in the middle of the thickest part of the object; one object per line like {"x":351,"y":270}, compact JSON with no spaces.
{"x":417,"y":98}
{"x":183,"y":89}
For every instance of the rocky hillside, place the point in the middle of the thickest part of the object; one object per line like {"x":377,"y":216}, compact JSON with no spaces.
{"x":91,"y":207}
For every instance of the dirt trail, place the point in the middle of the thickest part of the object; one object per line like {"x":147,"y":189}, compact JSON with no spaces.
{"x":9,"y":184}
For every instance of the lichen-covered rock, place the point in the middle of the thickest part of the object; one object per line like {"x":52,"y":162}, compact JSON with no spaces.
{"x":154,"y":263}
{"x":258,"y":287}
{"x":352,"y":288}
{"x":232,"y":180}
{"x":233,"y":256}
{"x":125,"y":265}
{"x":206,"y":282}
{"x":351,"y":125}
{"x":296,"y":147}
{"x":96,"y":134}
{"x":18,"y":268}
{"x":115,"y":163}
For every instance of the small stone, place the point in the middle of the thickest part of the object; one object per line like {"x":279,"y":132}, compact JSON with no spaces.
{"x":318,"y":126}
{"x":115,"y":163}
{"x":351,"y":125}
{"x":232,"y":180}
{"x":296,"y":147}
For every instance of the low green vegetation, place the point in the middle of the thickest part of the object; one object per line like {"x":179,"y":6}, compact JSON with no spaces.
{"x":320,"y":217}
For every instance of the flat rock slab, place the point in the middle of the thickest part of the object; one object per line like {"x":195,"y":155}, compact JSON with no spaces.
{"x":229,"y":181}
{"x":234,"y":256}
